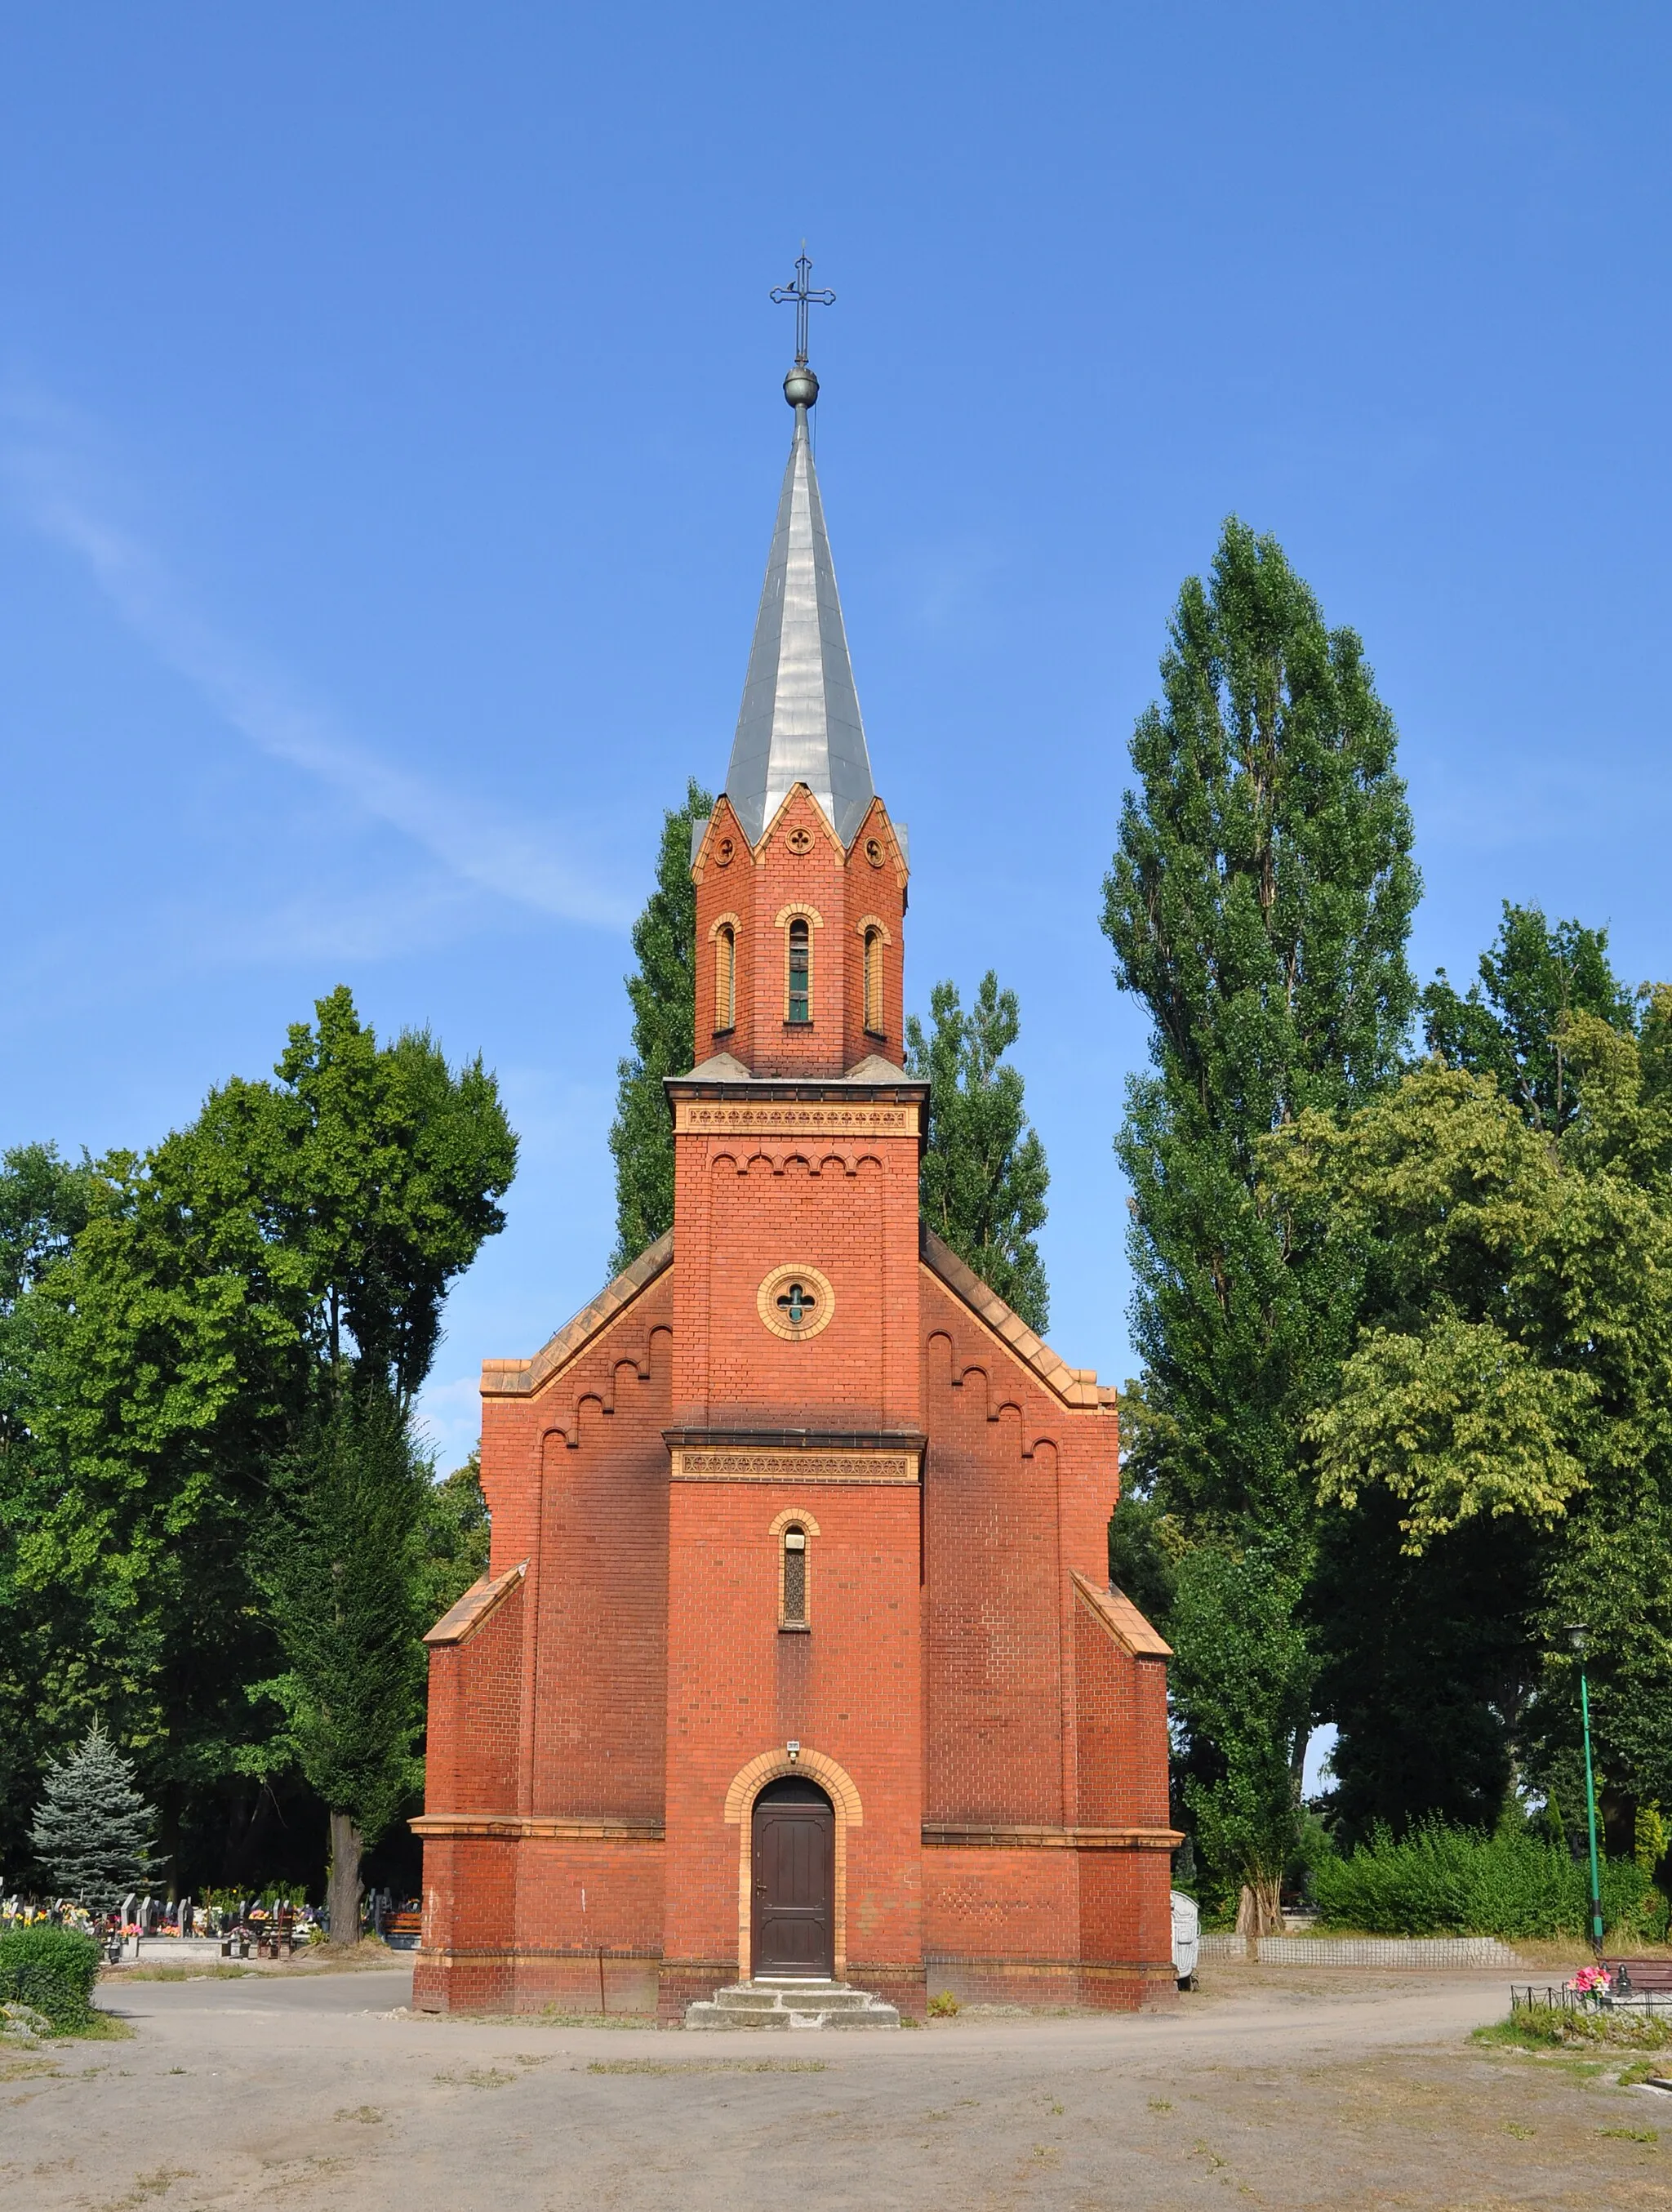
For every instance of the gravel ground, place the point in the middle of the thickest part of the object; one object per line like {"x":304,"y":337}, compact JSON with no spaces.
{"x":1273,"y":2087}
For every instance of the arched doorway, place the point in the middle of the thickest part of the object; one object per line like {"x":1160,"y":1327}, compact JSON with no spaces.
{"x":793,"y":1919}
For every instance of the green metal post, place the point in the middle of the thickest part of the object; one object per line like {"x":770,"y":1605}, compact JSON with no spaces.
{"x":1590,"y":1810}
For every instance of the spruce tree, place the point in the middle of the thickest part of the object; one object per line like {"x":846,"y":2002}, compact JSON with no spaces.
{"x":983,"y":1179}
{"x":1258,"y":904}
{"x":663,"y":993}
{"x":343,"y":1576}
{"x":93,"y":1831}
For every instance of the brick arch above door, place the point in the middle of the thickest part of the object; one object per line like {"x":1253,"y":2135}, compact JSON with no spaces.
{"x":747,"y":1785}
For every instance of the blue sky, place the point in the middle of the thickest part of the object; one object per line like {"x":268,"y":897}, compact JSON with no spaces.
{"x":390,"y":433}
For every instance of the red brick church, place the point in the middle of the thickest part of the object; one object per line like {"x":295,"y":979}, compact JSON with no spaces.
{"x":797,"y":1662}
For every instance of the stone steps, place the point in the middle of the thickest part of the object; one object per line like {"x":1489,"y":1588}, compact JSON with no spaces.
{"x":785,"y":2004}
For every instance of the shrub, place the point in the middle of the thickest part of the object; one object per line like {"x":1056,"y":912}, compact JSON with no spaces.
{"x":53,"y":1969}
{"x":1441,"y":1880}
{"x":942,"y":2004}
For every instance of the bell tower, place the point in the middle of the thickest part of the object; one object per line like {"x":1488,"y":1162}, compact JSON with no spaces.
{"x":800,"y":875}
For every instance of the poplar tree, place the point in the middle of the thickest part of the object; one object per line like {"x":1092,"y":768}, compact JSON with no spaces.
{"x":1258,"y":905}
{"x":983,"y":1179}
{"x":663,"y":994}
{"x":1512,"y":1022}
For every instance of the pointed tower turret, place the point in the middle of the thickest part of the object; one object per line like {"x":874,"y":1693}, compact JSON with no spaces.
{"x":799,"y":721}
{"x":800,"y":875}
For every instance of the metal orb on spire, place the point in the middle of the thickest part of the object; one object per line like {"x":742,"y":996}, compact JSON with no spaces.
{"x":801,"y":385}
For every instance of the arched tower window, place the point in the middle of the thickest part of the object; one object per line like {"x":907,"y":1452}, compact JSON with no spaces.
{"x":873,"y":980}
{"x":795,"y":1577}
{"x":726,"y":978}
{"x":800,"y":963}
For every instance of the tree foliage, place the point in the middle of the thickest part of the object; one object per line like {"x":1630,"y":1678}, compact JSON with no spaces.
{"x":1513,"y":1359}
{"x":663,"y":994}
{"x":340,"y":1572}
{"x":1258,"y":904}
{"x":1512,"y":1023}
{"x":161,"y":1367}
{"x":93,"y":1831}
{"x":983,"y":1179}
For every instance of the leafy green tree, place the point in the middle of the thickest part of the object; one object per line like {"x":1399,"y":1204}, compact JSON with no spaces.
{"x":454,"y":1538}
{"x":1258,"y":904}
{"x":178,"y":1351}
{"x":1430,"y":1662}
{"x":93,"y":1831}
{"x":663,"y":994}
{"x":1512,"y":1022}
{"x":984,"y":1178}
{"x":1512,"y":1359}
{"x":341,"y":1573}
{"x":43,"y":1204}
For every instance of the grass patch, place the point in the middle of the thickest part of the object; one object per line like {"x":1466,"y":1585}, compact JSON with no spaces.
{"x":707,"y":2066}
{"x":1551,"y":2027}
{"x":1632,"y":2134}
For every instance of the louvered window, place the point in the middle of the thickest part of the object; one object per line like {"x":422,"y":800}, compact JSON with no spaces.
{"x":726,"y":978}
{"x":800,"y":957}
{"x":873,"y":981}
{"x":795,"y":1577}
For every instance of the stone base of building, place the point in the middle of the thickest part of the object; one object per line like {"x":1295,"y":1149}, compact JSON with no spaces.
{"x":534,"y":1982}
{"x":1046,"y":1985}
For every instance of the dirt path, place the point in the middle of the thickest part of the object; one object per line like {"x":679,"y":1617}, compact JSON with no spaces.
{"x":1271,"y":2087}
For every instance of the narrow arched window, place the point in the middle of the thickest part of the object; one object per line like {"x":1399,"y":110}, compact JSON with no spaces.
{"x":800,"y":960}
{"x":795,"y":1577}
{"x":873,"y":980}
{"x":725,"y":977}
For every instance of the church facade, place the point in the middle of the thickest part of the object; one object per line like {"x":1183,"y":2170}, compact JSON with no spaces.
{"x":797,"y":1660}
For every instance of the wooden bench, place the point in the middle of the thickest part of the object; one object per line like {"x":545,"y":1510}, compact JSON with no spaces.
{"x":1641,"y":1978}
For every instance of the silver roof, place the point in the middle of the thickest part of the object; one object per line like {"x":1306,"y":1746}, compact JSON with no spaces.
{"x":799,"y":722}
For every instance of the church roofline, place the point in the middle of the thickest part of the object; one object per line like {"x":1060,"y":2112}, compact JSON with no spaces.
{"x":519,"y":1378}
{"x":1075,"y":1386}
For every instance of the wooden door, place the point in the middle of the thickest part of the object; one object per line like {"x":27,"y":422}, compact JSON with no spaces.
{"x":794,"y":1914}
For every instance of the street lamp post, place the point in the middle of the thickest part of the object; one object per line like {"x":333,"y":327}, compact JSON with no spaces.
{"x":1579,"y":1635}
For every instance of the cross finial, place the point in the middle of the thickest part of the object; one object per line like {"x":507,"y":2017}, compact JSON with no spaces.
{"x":804,"y":296}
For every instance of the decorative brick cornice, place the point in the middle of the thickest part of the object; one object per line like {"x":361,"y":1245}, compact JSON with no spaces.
{"x":517,"y":1378}
{"x":1074,"y":1386}
{"x":797,"y":1456}
{"x":563,"y":1827}
{"x":849,"y":1111}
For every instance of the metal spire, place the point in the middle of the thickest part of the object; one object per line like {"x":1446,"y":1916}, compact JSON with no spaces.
{"x":799,"y":721}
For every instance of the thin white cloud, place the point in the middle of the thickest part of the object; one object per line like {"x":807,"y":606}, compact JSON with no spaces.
{"x":518,"y":861}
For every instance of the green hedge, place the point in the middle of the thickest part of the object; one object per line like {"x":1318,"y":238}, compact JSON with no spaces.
{"x":53,"y":1969}
{"x":1450,"y":1881}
